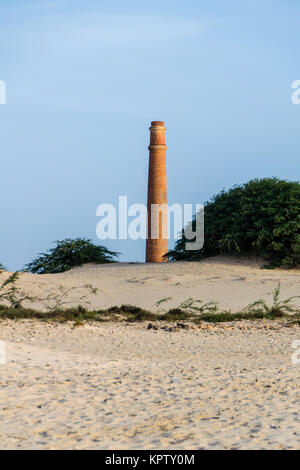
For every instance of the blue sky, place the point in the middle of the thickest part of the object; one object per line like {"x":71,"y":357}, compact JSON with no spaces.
{"x":84,"y":80}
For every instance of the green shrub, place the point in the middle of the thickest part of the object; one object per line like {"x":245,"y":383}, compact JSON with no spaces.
{"x":261,"y":217}
{"x":69,"y":253}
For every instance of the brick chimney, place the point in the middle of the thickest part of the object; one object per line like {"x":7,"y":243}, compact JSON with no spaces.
{"x":157,"y":241}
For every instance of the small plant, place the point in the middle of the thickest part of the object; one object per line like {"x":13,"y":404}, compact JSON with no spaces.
{"x":163,"y":300}
{"x":159,"y":302}
{"x":193,"y":310}
{"x":279,"y":308}
{"x":69,"y":253}
{"x":12,"y":294}
{"x":133,"y":314}
{"x":2,"y":268}
{"x":197,"y":306}
{"x":57,"y":301}
{"x":9,"y":292}
{"x":189,"y":307}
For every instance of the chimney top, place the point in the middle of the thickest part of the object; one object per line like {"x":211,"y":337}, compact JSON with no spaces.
{"x":157,"y":123}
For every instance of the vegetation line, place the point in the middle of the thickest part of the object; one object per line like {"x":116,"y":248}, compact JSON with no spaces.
{"x":190,"y":310}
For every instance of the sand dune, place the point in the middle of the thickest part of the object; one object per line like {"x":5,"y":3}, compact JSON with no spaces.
{"x":232,"y":283}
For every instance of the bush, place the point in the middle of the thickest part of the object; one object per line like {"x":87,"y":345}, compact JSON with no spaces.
{"x":261,"y":217}
{"x":69,"y":253}
{"x":2,"y":268}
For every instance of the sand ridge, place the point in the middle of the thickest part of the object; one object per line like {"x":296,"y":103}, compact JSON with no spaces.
{"x":232,"y":283}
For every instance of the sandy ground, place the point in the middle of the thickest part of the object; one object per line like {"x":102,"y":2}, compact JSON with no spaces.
{"x":233,"y":284}
{"x":115,"y":386}
{"x":118,"y":386}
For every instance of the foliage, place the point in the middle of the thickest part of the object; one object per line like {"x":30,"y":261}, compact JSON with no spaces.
{"x":190,"y":310}
{"x":261,"y":217}
{"x":2,"y":268}
{"x":10,"y":293}
{"x":56,"y":301}
{"x":279,"y":308}
{"x":198,"y":307}
{"x":76,"y":314}
{"x":69,"y":253}
{"x":13,"y":295}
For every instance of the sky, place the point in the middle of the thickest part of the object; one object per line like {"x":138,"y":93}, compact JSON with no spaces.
{"x":85,"y":79}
